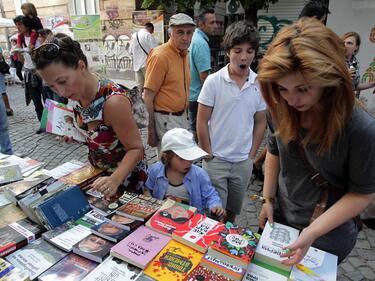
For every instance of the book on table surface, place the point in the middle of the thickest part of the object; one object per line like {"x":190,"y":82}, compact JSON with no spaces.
{"x":102,"y":205}
{"x":64,"y":169}
{"x":140,"y":208}
{"x":27,"y":165}
{"x":236,"y":242}
{"x":127,"y":196}
{"x":200,"y":273}
{"x":18,"y":234}
{"x":316,"y":265}
{"x":82,"y":175}
{"x":143,"y":277}
{"x":70,"y":268}
{"x":222,"y":264}
{"x":36,"y":257}
{"x":9,"y":214}
{"x":66,"y":235}
{"x":257,"y":272}
{"x":90,"y":219}
{"x":10,"y":174}
{"x":171,"y":216}
{"x":123,"y":222}
{"x":109,"y":231}
{"x":8,"y":272}
{"x":70,"y":204}
{"x":272,"y":242}
{"x":174,"y":262}
{"x":40,"y":187}
{"x":113,"y":269}
{"x":198,"y":232}
{"x":93,"y":248}
{"x":140,"y":247}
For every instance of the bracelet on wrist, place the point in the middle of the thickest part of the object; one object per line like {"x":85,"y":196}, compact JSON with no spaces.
{"x":262,"y":199}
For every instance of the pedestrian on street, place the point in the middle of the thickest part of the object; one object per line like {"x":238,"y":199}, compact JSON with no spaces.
{"x":200,"y":60}
{"x":9,"y":110}
{"x":5,"y":144}
{"x":102,"y":112}
{"x":141,"y":44}
{"x":319,"y":169}
{"x":15,"y":60}
{"x":231,"y":118}
{"x":167,"y":82}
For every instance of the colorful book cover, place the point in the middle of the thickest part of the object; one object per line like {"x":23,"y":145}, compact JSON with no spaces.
{"x":93,"y":247}
{"x":123,"y":222}
{"x":109,"y":231}
{"x":36,"y":258}
{"x":18,"y":234}
{"x":90,"y":219}
{"x":113,"y":269}
{"x":72,"y":268}
{"x":174,"y":262}
{"x":10,"y":174}
{"x":127,"y":197}
{"x":198,"y":232}
{"x":256,"y":272}
{"x":317,"y":265}
{"x":140,"y":208}
{"x":82,"y":175}
{"x":140,"y":247}
{"x":236,"y":242}
{"x":8,"y":272}
{"x":102,"y":205}
{"x":171,"y":216}
{"x":200,"y":273}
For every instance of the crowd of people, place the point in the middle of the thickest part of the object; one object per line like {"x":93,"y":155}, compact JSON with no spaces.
{"x":315,"y":177}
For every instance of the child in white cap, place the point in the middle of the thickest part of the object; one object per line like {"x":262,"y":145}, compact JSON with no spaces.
{"x":176,"y":177}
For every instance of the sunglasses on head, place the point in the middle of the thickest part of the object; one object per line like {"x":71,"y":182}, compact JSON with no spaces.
{"x":48,"y":51}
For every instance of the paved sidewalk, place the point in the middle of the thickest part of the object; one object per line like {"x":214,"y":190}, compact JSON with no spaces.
{"x":360,"y":265}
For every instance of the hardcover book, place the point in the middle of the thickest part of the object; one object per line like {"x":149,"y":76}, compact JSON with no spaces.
{"x":198,"y":232}
{"x":140,"y":208}
{"x":256,"y":272}
{"x":102,"y":205}
{"x":236,"y":242}
{"x":66,"y":235}
{"x":174,"y":262}
{"x":272,"y":242}
{"x":109,"y":231}
{"x":36,"y":258}
{"x":82,"y":175}
{"x":72,"y":268}
{"x":113,"y":269}
{"x":200,"y":273}
{"x":18,"y":234}
{"x":123,"y":222}
{"x":8,"y":272}
{"x":10,"y":174}
{"x":140,"y":247}
{"x":171,"y":216}
{"x":222,"y":264}
{"x":93,"y":248}
{"x":316,"y":265}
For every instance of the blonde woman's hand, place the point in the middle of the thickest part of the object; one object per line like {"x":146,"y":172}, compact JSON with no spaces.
{"x":266,"y":213}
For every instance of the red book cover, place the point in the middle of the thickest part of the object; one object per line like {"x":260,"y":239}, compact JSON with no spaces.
{"x":198,"y":232}
{"x":171,"y":216}
{"x":200,"y":273}
{"x":140,"y":208}
{"x":236,"y":242}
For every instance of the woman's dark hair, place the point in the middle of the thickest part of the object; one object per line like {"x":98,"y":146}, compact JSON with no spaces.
{"x":69,"y":53}
{"x":44,"y":32}
{"x":26,"y":21}
{"x":316,"y":9}
{"x":239,"y":33}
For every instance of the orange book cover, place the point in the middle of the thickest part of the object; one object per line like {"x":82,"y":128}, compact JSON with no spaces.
{"x":174,"y":262}
{"x":81,"y":175}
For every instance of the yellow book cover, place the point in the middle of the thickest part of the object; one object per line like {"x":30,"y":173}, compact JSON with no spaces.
{"x":174,"y":262}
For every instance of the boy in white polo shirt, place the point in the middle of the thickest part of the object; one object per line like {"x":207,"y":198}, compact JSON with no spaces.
{"x":231,"y":118}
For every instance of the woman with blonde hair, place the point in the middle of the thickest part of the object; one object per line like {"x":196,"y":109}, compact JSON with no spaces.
{"x":321,"y":154}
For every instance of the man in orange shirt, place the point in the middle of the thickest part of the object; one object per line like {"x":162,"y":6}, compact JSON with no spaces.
{"x":166,"y":88}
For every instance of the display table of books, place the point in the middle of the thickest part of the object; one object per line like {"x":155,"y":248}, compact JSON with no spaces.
{"x":66,"y":232}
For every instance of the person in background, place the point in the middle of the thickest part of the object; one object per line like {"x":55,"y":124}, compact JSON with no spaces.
{"x":352,"y":41}
{"x":231,"y":118}
{"x":315,"y":9}
{"x":5,"y":144}
{"x":176,"y":177}
{"x":102,"y":112}
{"x":141,"y":44}
{"x":319,"y":169}
{"x":3,"y":92}
{"x":15,"y":60}
{"x":200,"y":60}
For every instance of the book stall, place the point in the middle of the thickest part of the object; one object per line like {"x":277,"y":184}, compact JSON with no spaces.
{"x":54,"y":228}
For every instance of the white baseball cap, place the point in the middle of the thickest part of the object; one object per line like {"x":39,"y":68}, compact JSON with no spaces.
{"x":181,"y":142}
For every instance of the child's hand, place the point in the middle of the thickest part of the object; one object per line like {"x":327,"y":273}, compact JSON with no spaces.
{"x":218,"y":211}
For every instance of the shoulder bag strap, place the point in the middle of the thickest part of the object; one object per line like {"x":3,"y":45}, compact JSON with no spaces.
{"x":141,"y":45}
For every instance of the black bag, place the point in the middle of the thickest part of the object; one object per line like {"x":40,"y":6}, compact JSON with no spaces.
{"x":4,"y":67}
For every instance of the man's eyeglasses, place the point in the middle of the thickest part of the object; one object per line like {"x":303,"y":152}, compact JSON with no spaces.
{"x":48,"y":51}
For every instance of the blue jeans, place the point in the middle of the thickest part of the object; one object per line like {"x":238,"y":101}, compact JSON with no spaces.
{"x":5,"y":145}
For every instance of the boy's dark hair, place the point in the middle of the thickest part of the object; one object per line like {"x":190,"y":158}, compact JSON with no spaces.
{"x":26,"y":21}
{"x":203,"y":12}
{"x":239,"y":33}
{"x":149,"y":25}
{"x":44,"y":32}
{"x":316,"y":9}
{"x":69,"y":54}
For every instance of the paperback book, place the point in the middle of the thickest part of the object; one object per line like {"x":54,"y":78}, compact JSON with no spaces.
{"x":256,"y":272}
{"x":10,"y":174}
{"x":113,"y":269}
{"x":102,"y":205}
{"x":27,"y":165}
{"x":82,"y":175}
{"x":90,"y":219}
{"x":174,"y":262}
{"x":72,"y":268}
{"x":140,"y":247}
{"x":198,"y":232}
{"x":123,"y":222}
{"x":64,"y":169}
{"x":171,"y":216}
{"x":127,"y":197}
{"x":140,"y":208}
{"x":36,"y":258}
{"x":8,"y":272}
{"x":200,"y":273}
{"x":93,"y":248}
{"x":109,"y":231}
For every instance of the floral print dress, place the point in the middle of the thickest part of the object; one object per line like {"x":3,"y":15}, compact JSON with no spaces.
{"x":105,"y":150}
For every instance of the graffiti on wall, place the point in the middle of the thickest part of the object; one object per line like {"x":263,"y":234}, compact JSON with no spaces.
{"x":116,"y":53}
{"x":369,"y":74}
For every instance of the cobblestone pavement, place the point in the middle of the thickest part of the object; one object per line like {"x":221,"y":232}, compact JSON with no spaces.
{"x":360,"y":265}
